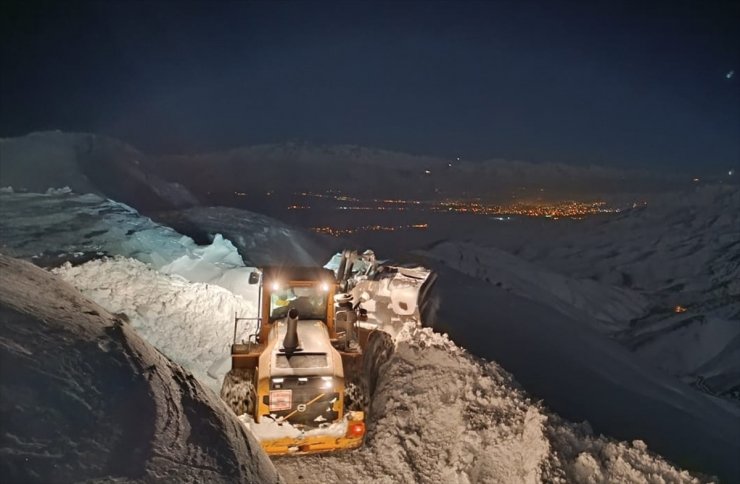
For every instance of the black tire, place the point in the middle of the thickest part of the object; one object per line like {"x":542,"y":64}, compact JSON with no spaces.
{"x":380,"y":348}
{"x":238,"y":391}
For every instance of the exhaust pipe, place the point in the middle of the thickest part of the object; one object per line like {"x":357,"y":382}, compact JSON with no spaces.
{"x":290,"y":342}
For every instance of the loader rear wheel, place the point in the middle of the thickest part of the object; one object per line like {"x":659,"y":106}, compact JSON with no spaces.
{"x":238,"y":391}
{"x":380,"y":348}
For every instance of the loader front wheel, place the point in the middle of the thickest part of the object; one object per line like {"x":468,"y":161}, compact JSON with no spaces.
{"x":238,"y":391}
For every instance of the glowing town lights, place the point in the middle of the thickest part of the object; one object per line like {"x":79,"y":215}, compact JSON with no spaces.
{"x":552,"y":210}
{"x":679,"y":309}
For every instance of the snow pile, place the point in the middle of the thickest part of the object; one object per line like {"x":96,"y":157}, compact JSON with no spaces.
{"x":84,"y":398}
{"x":191,"y":323}
{"x":430,"y":394}
{"x":50,"y":228}
{"x":441,"y":415}
{"x":260,"y":240}
{"x":59,"y":226}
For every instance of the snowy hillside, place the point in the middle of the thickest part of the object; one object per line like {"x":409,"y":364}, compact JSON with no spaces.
{"x":89,"y":163}
{"x":430,"y":392}
{"x":540,"y":305}
{"x":84,"y":398}
{"x":365,"y":171}
{"x":86,"y":163}
{"x":645,"y":267}
{"x":592,"y":302}
{"x":582,"y":375}
{"x":60,"y":224}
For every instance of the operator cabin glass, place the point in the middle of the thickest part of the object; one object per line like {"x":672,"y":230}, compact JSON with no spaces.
{"x":310,"y":302}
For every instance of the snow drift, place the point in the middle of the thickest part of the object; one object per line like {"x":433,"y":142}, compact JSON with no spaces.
{"x":57,"y":225}
{"x":191,"y":323}
{"x":440,"y":414}
{"x":85,"y":398}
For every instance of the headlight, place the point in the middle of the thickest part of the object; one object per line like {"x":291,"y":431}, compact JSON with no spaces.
{"x":327,"y":383}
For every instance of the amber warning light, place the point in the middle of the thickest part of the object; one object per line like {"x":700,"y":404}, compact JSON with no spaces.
{"x":356,"y":429}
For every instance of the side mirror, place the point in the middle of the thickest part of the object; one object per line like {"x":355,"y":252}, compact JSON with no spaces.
{"x":254,"y":277}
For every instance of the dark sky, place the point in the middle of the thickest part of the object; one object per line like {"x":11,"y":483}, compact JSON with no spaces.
{"x":639,"y":84}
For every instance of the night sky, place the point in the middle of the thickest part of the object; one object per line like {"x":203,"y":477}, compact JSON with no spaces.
{"x":644,"y":84}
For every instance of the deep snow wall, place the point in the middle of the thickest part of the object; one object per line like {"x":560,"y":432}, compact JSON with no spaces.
{"x":83,"y":397}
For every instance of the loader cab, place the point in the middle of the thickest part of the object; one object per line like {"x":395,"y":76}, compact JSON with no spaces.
{"x":309,"y":290}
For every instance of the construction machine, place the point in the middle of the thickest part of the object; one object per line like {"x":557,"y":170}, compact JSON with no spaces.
{"x":299,"y":375}
{"x":303,"y":378}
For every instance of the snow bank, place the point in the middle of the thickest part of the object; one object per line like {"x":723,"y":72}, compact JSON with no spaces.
{"x":260,"y":240}
{"x":442,"y":415}
{"x":191,"y":323}
{"x":84,"y":398}
{"x":60,"y":226}
{"x":51,"y":228}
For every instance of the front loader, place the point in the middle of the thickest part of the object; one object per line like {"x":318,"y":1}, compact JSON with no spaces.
{"x":299,"y":376}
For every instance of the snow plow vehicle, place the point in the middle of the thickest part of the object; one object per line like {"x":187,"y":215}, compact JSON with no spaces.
{"x":302,"y":380}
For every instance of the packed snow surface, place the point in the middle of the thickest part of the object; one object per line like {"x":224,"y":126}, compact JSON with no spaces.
{"x":84,"y":398}
{"x":440,"y":414}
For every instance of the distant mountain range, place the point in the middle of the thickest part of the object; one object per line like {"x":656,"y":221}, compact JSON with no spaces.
{"x":93,"y":163}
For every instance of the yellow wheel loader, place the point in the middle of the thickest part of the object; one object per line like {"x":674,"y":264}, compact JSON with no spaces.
{"x":299,"y":376}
